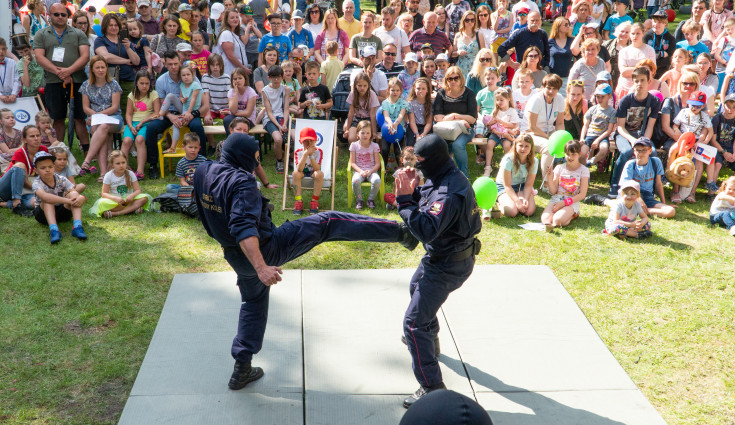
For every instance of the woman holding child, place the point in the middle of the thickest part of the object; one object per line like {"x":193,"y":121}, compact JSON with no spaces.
{"x":118,"y":54}
{"x":688,"y":84}
{"x":100,"y":95}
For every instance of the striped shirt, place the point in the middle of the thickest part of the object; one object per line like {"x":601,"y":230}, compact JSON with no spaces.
{"x":185,"y":168}
{"x":438,"y":40}
{"x":217,"y":87}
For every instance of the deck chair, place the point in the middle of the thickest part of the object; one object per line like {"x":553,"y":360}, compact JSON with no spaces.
{"x":381,"y":191}
{"x":327,"y":141}
{"x":162,"y":157}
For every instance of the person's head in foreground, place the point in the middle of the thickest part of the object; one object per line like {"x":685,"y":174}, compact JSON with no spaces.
{"x":446,"y":407}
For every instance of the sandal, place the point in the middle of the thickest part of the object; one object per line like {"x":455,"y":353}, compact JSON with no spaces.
{"x":100,"y":179}
{"x":107,"y":214}
{"x":139,"y":176}
{"x":675,"y":198}
{"x":691,"y":199}
{"x":85,"y":169}
{"x":139,"y":210}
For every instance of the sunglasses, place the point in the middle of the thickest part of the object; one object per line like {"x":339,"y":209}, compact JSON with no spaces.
{"x":451,"y":79}
{"x":576,"y":83}
{"x":59,"y":14}
{"x":523,"y":14}
{"x":482,"y":15}
{"x":688,"y":84}
{"x":470,"y":20}
{"x":532,"y":55}
{"x":390,"y":54}
{"x":298,"y":58}
{"x":313,"y":12}
{"x":485,"y":60}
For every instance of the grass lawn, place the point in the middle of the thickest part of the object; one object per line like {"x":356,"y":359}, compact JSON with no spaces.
{"x":76,"y":319}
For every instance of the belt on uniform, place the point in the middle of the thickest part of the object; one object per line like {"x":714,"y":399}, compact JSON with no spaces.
{"x":470,"y":251}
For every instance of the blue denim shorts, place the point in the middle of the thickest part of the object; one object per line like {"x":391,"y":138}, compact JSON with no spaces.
{"x":518,"y":188}
{"x":649,"y":199}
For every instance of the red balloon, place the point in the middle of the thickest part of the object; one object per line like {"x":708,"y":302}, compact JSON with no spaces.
{"x":686,"y":142}
{"x":671,"y":14}
{"x":267,"y":25}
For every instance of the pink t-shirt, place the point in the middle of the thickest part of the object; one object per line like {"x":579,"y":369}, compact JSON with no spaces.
{"x":630,"y":56}
{"x":242,"y":100}
{"x":362,"y":109}
{"x":570,"y":181}
{"x":200,"y":60}
{"x":364,"y":157}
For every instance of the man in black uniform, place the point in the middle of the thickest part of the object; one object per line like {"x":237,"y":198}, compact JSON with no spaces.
{"x":235,"y":213}
{"x":443,"y":214}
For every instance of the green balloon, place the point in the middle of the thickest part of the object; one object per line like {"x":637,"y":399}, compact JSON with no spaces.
{"x":486,"y":192}
{"x":557,"y":141}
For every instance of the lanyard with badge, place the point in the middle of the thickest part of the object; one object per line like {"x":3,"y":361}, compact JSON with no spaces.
{"x":5,"y":71}
{"x":58,"y":55}
{"x":549,"y":114}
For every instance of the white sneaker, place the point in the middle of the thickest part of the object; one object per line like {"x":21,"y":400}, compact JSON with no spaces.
{"x":488,"y":170}
{"x":732,"y":231}
{"x":486,"y":216}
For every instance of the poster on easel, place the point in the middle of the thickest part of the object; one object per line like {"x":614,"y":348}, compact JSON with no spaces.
{"x":24,"y":109}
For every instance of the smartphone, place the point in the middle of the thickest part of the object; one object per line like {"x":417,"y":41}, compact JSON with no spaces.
{"x":124,"y":34}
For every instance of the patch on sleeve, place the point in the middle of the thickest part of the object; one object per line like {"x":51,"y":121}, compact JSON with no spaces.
{"x":436,"y":208}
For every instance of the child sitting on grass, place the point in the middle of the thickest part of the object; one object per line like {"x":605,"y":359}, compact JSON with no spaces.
{"x":365,"y":162}
{"x":567,"y":188}
{"x":308,"y":163}
{"x":121,"y":192}
{"x":515,"y":178}
{"x":187,"y":165}
{"x":621,"y":221}
{"x":56,"y":199}
{"x":63,"y":165}
{"x":408,"y":159}
{"x":722,"y":211}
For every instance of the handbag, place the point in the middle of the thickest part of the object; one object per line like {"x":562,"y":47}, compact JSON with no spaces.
{"x":114,"y":71}
{"x":450,"y":130}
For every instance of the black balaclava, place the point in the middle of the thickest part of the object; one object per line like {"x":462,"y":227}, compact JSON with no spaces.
{"x":239,"y":150}
{"x":446,"y":407}
{"x":435,"y":153}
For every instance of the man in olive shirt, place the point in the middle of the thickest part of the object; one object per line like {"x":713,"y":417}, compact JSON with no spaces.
{"x":63,"y":51}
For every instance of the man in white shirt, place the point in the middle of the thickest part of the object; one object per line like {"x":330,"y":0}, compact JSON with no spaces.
{"x":389,"y":33}
{"x":378,"y":80}
{"x":545,"y":114}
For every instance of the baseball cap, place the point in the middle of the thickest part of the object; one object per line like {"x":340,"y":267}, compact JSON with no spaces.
{"x":523,"y":10}
{"x":410,"y":57}
{"x":441,"y":57}
{"x":183,"y":47}
{"x":303,"y":47}
{"x":216,"y":10}
{"x":697,"y":98}
{"x":603,"y":89}
{"x":144,"y":3}
{"x":660,"y":14}
{"x":593,"y":25}
{"x":603,"y":76}
{"x":297,"y":14}
{"x":645,"y":141}
{"x":41,"y":155}
{"x":427,"y":46}
{"x":621,"y":1}
{"x":307,"y":133}
{"x":730,"y":97}
{"x":368,"y":51}
{"x":246,"y":10}
{"x":183,"y":7}
{"x":630,"y":183}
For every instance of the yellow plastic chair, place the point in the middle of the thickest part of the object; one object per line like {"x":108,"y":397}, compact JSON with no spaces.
{"x":381,"y":192}
{"x":179,"y":151}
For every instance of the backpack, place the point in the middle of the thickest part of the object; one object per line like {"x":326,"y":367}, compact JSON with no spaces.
{"x":186,"y":202}
{"x":168,"y":202}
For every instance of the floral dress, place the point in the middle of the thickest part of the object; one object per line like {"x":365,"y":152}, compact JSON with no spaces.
{"x":12,"y":143}
{"x":454,"y":16}
{"x":465,"y":62}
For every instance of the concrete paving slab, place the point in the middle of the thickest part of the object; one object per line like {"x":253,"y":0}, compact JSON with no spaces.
{"x":234,"y":407}
{"x":332,"y":409}
{"x":352,"y":329}
{"x":516,"y":326}
{"x":613,"y":407}
{"x":188,"y":352}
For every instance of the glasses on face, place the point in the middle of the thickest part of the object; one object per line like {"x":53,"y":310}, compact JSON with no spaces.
{"x":590,"y":33}
{"x":686,"y":84}
{"x":565,"y":24}
{"x":576,"y":83}
{"x":390,"y":53}
{"x":486,"y":60}
{"x":82,"y":23}
{"x":470,"y":20}
{"x":482,"y":15}
{"x":532,"y":56}
{"x":522,"y":14}
{"x":313,"y":12}
{"x":640,"y":150}
{"x":298,"y":58}
{"x":451,"y":79}
{"x":57,"y":14}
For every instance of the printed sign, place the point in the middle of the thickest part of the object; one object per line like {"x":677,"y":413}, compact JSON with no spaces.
{"x":705,"y":153}
{"x":324,"y":140}
{"x":24,"y":109}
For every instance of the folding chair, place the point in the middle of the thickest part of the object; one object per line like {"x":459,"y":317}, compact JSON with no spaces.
{"x":326,"y":140}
